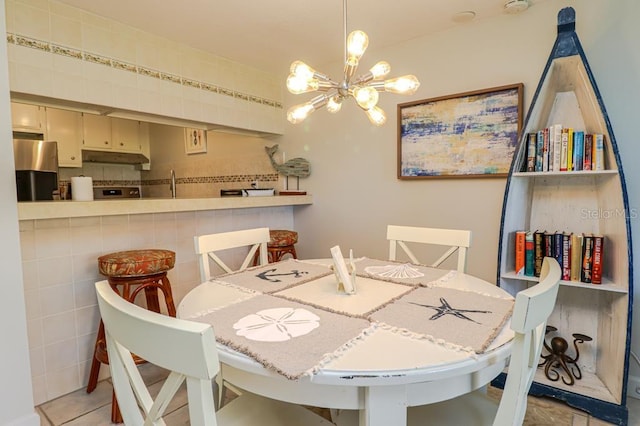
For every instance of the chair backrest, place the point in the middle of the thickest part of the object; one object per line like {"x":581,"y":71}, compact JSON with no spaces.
{"x":185,"y":348}
{"x":457,"y":240}
{"x":207,"y":245}
{"x":529,"y":320}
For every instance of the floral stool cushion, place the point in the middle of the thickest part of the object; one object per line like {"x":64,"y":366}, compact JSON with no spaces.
{"x":282,"y":238}
{"x":136,"y":263}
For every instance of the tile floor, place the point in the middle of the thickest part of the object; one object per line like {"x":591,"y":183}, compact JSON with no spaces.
{"x":81,"y":409}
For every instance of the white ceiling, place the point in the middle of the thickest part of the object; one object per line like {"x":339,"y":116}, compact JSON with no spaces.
{"x":270,"y":34}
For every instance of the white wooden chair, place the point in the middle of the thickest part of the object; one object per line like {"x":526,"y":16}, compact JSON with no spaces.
{"x":457,"y":240}
{"x":188,"y":350}
{"x":532,"y":308}
{"x":528,"y":321}
{"x":207,"y":246}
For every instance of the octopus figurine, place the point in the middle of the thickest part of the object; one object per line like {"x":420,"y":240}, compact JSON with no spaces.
{"x":558,"y":358}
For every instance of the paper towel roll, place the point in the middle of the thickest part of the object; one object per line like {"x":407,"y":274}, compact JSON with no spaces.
{"x":82,"y":188}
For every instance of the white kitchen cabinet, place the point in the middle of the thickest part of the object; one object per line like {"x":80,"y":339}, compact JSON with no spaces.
{"x":65,"y":127}
{"x":27,"y":117}
{"x":96,"y":132}
{"x":125,"y":135}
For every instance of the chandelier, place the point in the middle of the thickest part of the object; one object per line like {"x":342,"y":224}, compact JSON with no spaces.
{"x":363,"y":89}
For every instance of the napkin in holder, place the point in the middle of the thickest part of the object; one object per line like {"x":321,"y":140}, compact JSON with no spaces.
{"x":345,"y":274}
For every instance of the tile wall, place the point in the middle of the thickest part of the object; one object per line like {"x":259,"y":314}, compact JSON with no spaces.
{"x":60,"y":268}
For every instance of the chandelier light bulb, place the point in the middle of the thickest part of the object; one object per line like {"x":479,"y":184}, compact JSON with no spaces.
{"x":298,"y":113}
{"x":376,"y":116}
{"x":405,"y":85}
{"x":357,"y":43}
{"x":302,"y":70}
{"x":334,"y":104}
{"x":298,"y":85}
{"x":366,"y":97}
{"x":380,"y":70}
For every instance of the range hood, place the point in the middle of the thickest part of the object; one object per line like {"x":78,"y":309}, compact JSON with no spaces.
{"x":113,"y":157}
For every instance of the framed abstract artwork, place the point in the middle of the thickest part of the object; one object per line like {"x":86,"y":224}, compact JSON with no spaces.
{"x":471,"y":134}
{"x":195,"y":141}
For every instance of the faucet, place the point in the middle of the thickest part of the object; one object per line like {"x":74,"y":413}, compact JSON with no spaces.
{"x":172,"y":186}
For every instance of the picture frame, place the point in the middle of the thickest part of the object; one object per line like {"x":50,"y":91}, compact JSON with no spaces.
{"x":195,"y":140}
{"x":465,"y":135}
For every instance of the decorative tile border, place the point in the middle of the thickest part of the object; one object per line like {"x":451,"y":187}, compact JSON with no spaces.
{"x":24,"y":41}
{"x":270,"y":177}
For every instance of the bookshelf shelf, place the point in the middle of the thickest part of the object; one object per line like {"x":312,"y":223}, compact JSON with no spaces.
{"x":606,"y":285}
{"x":578,"y":202}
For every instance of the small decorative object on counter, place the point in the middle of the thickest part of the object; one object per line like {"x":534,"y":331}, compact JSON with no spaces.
{"x":298,"y":167}
{"x":558,"y":358}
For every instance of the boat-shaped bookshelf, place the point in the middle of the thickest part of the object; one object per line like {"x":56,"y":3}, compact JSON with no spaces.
{"x":581,"y":202}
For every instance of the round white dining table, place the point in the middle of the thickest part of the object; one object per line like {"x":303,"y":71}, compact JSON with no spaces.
{"x":381,"y":376}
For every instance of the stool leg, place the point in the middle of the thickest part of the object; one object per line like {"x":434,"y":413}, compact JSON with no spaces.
{"x":116,"y":416}
{"x":95,"y":364}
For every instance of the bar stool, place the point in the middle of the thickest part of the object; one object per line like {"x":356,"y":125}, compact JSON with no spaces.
{"x":281,"y":242}
{"x":129,"y":273}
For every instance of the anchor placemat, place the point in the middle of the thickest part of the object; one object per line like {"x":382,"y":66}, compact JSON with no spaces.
{"x":276,"y":276}
{"x":464,"y":318}
{"x":283,"y":335}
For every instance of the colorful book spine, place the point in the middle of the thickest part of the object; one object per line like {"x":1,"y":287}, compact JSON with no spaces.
{"x":557,"y":250}
{"x":576,"y":257}
{"x":549,"y":244}
{"x":531,"y":152}
{"x":538,"y":241}
{"x":564,"y":149}
{"x":539,"y":150}
{"x":566,"y":257}
{"x":569,"y":149}
{"x":529,"y":255}
{"x":587,"y":258}
{"x":556,"y":139}
{"x":588,"y":151}
{"x":546,"y":150}
{"x":597,"y":157}
{"x":578,"y":150}
{"x":519,"y":254}
{"x":596,"y":264}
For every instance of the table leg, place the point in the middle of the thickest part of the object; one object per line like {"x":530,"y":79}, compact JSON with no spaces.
{"x":384,"y":406}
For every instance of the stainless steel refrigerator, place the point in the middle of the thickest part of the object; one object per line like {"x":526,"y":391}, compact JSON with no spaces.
{"x":36,"y":163}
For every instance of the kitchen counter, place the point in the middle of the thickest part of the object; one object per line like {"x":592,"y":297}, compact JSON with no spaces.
{"x":62,"y":209}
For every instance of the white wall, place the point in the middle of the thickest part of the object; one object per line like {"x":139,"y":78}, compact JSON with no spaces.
{"x":16,"y":402}
{"x":353,"y":180}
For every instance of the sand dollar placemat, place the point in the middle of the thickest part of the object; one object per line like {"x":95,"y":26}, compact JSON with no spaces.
{"x":283,"y":335}
{"x":464,"y":318}
{"x":397,"y":272}
{"x":276,"y":276}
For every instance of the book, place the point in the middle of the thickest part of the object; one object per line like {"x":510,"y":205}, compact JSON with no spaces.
{"x":538,"y":244}
{"x":578,"y":150}
{"x":545,"y":149}
{"x":519,"y":251}
{"x":539,"y":151}
{"x":587,"y":251}
{"x":555,"y":139}
{"x":588,"y":151}
{"x":597,"y":260}
{"x":549,"y":244}
{"x":531,"y":152}
{"x":566,"y":257}
{"x":564,"y":149}
{"x":557,"y":250}
{"x":576,"y":256}
{"x":569,"y":149}
{"x":597,"y":155}
{"x":529,"y":256}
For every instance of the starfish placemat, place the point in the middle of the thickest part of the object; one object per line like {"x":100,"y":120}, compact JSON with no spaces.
{"x":288,"y":337}
{"x":276,"y":276}
{"x":467,"y":319}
